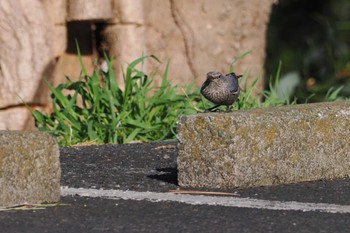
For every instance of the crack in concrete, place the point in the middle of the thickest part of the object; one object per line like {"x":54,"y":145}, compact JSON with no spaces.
{"x":187,"y":35}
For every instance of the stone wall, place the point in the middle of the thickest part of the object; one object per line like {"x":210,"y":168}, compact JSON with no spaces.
{"x":38,"y":42}
{"x":200,"y":36}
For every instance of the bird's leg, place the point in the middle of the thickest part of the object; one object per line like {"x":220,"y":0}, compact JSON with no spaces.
{"x":229,"y":108}
{"x":212,"y":108}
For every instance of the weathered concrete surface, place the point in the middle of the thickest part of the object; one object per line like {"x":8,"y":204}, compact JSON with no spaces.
{"x":29,"y":168}
{"x":265,"y":146}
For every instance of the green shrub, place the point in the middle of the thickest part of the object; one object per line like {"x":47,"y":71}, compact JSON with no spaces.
{"x":108,"y":114}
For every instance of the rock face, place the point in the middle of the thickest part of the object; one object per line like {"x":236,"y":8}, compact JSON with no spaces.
{"x":14,"y":118}
{"x":25,"y":51}
{"x":202,"y":36}
{"x":265,"y":146}
{"x":30,"y":170}
{"x":38,"y":41}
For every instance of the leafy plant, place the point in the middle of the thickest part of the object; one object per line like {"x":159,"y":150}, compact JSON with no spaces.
{"x":95,"y":109}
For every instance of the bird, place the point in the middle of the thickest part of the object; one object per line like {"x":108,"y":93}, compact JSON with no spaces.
{"x":220,"y":89}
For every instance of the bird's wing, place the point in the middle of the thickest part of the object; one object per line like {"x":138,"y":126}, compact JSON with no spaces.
{"x":232,"y":83}
{"x":204,"y":85}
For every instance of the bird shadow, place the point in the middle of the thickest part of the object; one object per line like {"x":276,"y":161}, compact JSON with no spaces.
{"x":167,"y":174}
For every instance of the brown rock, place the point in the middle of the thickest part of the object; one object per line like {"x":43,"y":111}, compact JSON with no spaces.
{"x":57,"y":11}
{"x":202,"y":36}
{"x":25,"y":52}
{"x":16,"y":118}
{"x":60,"y":42}
{"x":125,"y":43}
{"x":128,"y":11}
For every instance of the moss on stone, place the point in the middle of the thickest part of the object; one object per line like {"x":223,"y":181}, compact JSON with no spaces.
{"x":29,"y":168}
{"x":265,"y":146}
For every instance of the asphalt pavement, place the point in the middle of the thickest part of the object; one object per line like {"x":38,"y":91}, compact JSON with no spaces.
{"x":142,"y":175}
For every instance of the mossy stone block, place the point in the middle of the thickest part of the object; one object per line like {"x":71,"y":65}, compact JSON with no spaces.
{"x":265,"y":146}
{"x":29,"y":168}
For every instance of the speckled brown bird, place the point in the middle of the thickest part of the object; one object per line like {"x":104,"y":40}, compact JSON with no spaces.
{"x":220,"y":89}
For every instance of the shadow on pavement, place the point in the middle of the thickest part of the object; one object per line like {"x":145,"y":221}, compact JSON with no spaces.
{"x":167,"y":174}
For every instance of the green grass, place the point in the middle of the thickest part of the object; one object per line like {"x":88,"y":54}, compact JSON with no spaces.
{"x":96,"y":110}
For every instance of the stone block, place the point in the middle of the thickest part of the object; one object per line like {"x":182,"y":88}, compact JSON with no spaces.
{"x":128,"y":11}
{"x":125,"y":43}
{"x":29,"y":168}
{"x":89,"y":10}
{"x":266,"y":146}
{"x":16,"y":118}
{"x":57,"y":11}
{"x":60,"y":42}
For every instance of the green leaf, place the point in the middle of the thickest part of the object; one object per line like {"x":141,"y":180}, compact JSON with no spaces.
{"x":80,"y":58}
{"x":236,"y":59}
{"x":132,"y":135}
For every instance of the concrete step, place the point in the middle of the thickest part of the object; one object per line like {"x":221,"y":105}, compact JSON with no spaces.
{"x":29,"y":168}
{"x":265,"y":146}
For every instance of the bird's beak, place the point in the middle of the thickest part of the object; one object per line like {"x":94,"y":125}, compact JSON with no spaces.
{"x":238,"y":76}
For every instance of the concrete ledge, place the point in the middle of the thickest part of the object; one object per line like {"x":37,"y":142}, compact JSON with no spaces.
{"x":29,"y":168}
{"x":265,"y":146}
